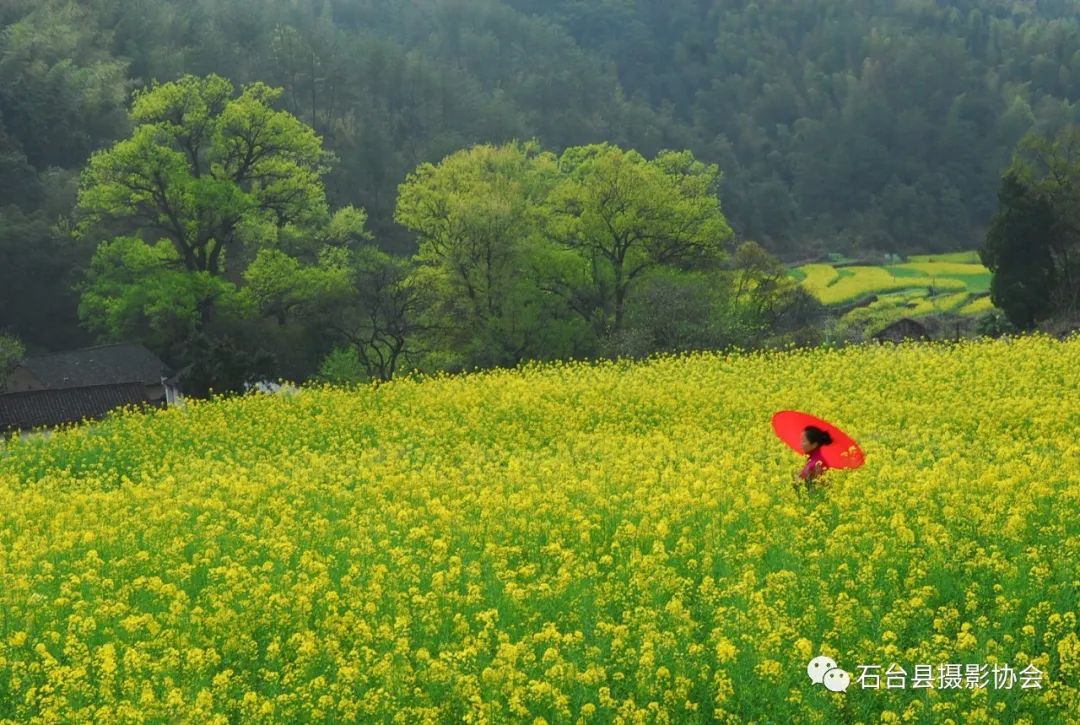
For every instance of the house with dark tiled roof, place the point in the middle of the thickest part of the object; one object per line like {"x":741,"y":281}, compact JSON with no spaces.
{"x":66,"y":387}
{"x":903,"y":329}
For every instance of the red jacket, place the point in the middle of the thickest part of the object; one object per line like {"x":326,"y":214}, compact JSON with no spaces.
{"x":815,"y":456}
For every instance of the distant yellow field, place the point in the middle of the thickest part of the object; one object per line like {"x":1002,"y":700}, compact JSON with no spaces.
{"x":938,"y":278}
{"x":982,"y":304}
{"x":565,"y":543}
{"x":859,"y":281}
{"x":818,"y":276}
{"x":940,"y":303}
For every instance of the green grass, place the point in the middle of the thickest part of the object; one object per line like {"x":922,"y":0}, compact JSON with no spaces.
{"x":899,"y":271}
{"x":943,"y":268}
{"x":976,"y":283}
{"x":970,"y":257}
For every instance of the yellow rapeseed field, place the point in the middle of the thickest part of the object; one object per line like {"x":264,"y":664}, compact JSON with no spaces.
{"x":977,"y":306}
{"x":567,"y":543}
{"x":819,"y":277}
{"x":858,"y":281}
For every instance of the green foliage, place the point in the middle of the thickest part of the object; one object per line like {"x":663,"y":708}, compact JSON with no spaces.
{"x":61,"y":90}
{"x":282,"y":287}
{"x":994,"y":323}
{"x":846,"y":130}
{"x":208,"y":172}
{"x":677,"y":311}
{"x":527,"y":255}
{"x":342,"y":366}
{"x":474,"y":214}
{"x":1048,"y":169}
{"x":624,"y":215}
{"x":381,"y":318}
{"x":11,"y":351}
{"x":38,"y":264}
{"x":762,"y":291}
{"x":225,"y":224}
{"x":477,"y":216}
{"x":1017,"y":251}
{"x":845,"y":137}
{"x":138,"y":291}
{"x":222,"y":364}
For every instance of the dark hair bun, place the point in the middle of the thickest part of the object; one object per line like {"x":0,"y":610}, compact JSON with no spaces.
{"x":817,"y":435}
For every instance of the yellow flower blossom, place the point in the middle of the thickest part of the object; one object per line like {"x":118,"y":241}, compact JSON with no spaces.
{"x":568,"y":542}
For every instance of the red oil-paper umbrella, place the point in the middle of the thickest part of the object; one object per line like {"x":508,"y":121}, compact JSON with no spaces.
{"x":843,"y":452}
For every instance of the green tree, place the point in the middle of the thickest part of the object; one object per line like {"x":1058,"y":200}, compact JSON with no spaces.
{"x":1050,"y":169}
{"x":297,"y":280}
{"x":11,"y":351}
{"x":223,"y":365}
{"x":476,"y":216}
{"x":380,"y":323}
{"x":208,"y":172}
{"x":135,"y":290}
{"x":1017,"y":252}
{"x":762,"y":289}
{"x":38,"y":266}
{"x":219,"y":215}
{"x":674,"y":311}
{"x":61,"y":90}
{"x":623,"y":215}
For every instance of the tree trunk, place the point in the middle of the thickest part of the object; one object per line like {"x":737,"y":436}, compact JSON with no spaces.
{"x":206,"y":312}
{"x":620,"y":297}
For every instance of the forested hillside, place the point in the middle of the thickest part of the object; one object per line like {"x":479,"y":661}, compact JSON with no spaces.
{"x":838,"y":125}
{"x":883,"y":123}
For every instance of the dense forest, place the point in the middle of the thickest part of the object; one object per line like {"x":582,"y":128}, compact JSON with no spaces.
{"x":836,"y":125}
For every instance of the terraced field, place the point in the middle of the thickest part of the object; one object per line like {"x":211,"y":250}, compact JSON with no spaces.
{"x":924,"y":285}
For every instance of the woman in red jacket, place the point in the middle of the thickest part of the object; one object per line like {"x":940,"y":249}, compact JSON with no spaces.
{"x":813,"y":438}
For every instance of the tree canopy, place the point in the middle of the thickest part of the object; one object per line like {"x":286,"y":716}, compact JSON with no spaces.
{"x":221,"y":215}
{"x":1033,"y":243}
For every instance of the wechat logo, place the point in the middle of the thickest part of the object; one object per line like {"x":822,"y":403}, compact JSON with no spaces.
{"x":823,"y":671}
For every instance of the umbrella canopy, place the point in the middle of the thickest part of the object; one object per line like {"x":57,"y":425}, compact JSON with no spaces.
{"x":843,"y":452}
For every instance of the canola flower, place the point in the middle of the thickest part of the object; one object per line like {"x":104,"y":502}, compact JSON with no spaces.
{"x":612,"y":542}
{"x":977,"y":306}
{"x":940,"y":303}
